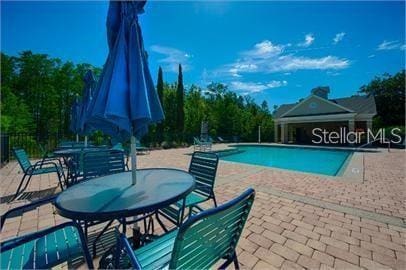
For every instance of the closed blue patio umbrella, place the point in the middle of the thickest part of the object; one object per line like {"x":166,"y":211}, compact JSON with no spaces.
{"x":125,"y":100}
{"x":89,"y":85}
{"x":74,"y":117}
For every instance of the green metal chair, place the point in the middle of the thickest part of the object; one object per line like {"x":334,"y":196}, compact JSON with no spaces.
{"x":90,"y":164}
{"x":96,"y":164}
{"x":103,"y":162}
{"x":43,"y":249}
{"x":40,"y":167}
{"x":119,"y":146}
{"x":199,"y":243}
{"x":203,"y":166}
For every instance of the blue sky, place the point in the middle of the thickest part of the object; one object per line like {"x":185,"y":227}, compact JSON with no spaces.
{"x":274,"y":51}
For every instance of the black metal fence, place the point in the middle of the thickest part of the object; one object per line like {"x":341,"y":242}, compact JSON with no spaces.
{"x":32,"y":144}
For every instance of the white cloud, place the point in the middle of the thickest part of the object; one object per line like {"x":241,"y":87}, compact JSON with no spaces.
{"x":290,"y":62}
{"x":309,"y":39}
{"x":172,"y":57}
{"x":371,"y":56}
{"x":264,"y":49}
{"x":390,"y":45}
{"x":266,"y":57}
{"x":338,"y":37}
{"x":254,"y":87}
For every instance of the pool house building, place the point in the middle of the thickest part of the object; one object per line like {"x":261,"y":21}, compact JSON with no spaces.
{"x":294,"y":123}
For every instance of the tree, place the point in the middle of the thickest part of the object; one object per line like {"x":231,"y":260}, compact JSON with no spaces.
{"x":180,"y":92}
{"x":37,"y":92}
{"x":389,"y":94}
{"x":160,"y":89}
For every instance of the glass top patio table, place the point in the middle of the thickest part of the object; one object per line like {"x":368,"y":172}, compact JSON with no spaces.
{"x":74,"y":151}
{"x":114,"y":196}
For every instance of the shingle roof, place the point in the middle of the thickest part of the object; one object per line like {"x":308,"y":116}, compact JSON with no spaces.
{"x":358,"y":104}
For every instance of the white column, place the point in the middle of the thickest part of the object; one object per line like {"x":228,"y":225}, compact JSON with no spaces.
{"x":351,"y":128}
{"x":275,"y":132}
{"x":369,"y":125}
{"x":283,"y":132}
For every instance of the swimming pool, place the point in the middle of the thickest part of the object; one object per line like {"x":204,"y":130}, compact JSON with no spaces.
{"x":312,"y":160}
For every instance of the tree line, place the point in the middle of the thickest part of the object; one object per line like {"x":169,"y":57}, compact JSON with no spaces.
{"x":37,"y":92}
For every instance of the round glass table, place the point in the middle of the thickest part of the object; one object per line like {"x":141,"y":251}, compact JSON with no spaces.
{"x":68,"y":152}
{"x":115,"y":197}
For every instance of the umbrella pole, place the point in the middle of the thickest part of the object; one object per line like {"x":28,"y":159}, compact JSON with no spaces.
{"x":136,"y":228}
{"x":85,"y":141}
{"x":77,"y":137}
{"x":133,"y":161}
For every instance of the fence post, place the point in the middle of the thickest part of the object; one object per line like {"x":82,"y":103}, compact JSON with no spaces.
{"x":5,"y":148}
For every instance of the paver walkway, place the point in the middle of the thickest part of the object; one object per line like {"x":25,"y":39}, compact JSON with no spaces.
{"x":284,"y":232}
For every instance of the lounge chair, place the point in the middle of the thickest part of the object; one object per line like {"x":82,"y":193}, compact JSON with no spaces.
{"x":43,"y":166}
{"x":221,"y":140}
{"x":203,"y":166}
{"x":201,"y":145}
{"x":46,"y":248}
{"x":199,"y":243}
{"x":141,"y":149}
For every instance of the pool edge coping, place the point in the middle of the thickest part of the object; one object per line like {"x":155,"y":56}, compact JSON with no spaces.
{"x":351,"y":171}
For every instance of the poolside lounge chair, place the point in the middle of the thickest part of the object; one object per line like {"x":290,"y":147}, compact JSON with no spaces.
{"x":199,"y":243}
{"x":221,"y":140}
{"x":201,"y":145}
{"x":203,"y":166}
{"x":141,"y":149}
{"x":43,"y":249}
{"x":43,"y":166}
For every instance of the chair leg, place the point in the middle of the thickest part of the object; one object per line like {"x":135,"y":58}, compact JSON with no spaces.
{"x":182,"y":212}
{"x":230,"y":260}
{"x":118,"y":254}
{"x":236,"y":264}
{"x":160,"y":222}
{"x":94,"y":246}
{"x":26,"y":184}
{"x":214,"y":200}
{"x":63,"y":176}
{"x":19,"y":186}
{"x":60,"y":181}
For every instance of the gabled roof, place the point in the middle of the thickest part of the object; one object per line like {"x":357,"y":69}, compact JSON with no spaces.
{"x":358,"y":104}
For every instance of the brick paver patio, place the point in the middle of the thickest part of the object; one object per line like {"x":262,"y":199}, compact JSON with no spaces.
{"x":298,"y":220}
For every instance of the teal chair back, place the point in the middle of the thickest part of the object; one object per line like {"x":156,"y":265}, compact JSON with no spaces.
{"x":203,"y":166}
{"x":43,"y":249}
{"x":22,"y":159}
{"x":105,"y":162}
{"x":211,"y":235}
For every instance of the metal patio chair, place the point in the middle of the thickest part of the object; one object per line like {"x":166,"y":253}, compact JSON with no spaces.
{"x":203,"y":166}
{"x":43,"y":249}
{"x":94,"y":164}
{"x":44,"y":166}
{"x":199,"y":243}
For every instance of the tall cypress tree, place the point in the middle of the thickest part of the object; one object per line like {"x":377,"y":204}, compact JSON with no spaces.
{"x":180,"y":116}
{"x":160,"y":89}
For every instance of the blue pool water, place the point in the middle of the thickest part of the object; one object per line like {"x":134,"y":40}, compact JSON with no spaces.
{"x":321,"y":161}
